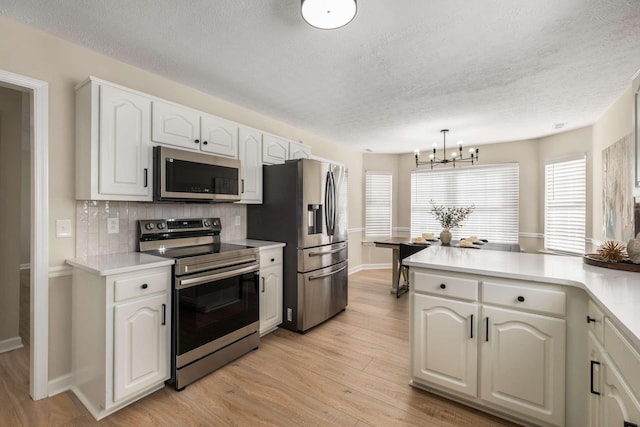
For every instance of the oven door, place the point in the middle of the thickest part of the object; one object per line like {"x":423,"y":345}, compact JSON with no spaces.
{"x":214,"y":309}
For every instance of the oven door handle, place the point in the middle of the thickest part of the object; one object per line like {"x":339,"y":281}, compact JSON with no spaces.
{"x":327,"y":274}
{"x":187,"y":283}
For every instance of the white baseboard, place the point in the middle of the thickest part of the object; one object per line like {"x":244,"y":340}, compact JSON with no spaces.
{"x":369,"y":267}
{"x":61,"y":384}
{"x":10,"y":344}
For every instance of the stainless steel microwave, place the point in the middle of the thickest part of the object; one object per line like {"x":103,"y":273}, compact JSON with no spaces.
{"x":187,"y":176}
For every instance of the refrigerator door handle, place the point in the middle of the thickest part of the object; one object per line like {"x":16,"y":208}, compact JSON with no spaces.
{"x":327,"y":274}
{"x":327,"y":203}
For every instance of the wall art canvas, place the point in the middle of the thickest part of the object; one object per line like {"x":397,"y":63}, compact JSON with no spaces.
{"x":617,"y":169}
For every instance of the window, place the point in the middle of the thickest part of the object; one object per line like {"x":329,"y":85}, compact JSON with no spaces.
{"x":565,"y":204}
{"x":378,"y":205}
{"x":493,"y":190}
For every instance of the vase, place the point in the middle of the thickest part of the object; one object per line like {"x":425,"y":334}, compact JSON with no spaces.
{"x":445,"y":237}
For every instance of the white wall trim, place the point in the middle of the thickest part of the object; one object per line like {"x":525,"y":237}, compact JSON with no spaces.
{"x":402,"y":229}
{"x":361,"y":267}
{"x":26,"y":266}
{"x":39,"y":306}
{"x":531,"y":235}
{"x":61,"y":384}
{"x":60,"y":271}
{"x":355,"y":230}
{"x":10,"y":344}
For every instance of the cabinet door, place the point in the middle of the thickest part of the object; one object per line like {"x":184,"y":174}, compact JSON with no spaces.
{"x":620,"y":409}
{"x":298,"y":151}
{"x":523,"y":363}
{"x":274,"y":150}
{"x":141,"y":345}
{"x":270,"y":298}
{"x":445,"y":343}
{"x":125,"y":146}
{"x":219,"y":136}
{"x":250,"y":147}
{"x":174,"y":125}
{"x":595,"y":371}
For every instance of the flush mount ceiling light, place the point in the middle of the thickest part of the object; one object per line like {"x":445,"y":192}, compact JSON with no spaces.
{"x":328,"y":14}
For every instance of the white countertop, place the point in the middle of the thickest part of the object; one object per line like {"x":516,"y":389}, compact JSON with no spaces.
{"x":261,"y":244}
{"x":105,"y":265}
{"x":617,"y":292}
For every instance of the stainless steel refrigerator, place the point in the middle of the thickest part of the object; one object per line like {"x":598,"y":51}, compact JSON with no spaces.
{"x":305,"y":206}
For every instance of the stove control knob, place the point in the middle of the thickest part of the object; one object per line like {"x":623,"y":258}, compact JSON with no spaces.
{"x":161,"y":225}
{"x":149,"y":226}
{"x":206,"y":223}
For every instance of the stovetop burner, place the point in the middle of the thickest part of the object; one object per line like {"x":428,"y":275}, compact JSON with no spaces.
{"x":193,"y":243}
{"x":185,"y":252}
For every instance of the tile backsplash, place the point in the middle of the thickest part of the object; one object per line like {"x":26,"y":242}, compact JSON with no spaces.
{"x":91,"y":222}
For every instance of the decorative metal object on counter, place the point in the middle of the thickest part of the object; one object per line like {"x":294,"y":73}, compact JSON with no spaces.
{"x":612,"y":254}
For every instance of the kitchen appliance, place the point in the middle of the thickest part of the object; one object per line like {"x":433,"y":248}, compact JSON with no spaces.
{"x":305,"y":206}
{"x":215,"y":294}
{"x":188,"y":176}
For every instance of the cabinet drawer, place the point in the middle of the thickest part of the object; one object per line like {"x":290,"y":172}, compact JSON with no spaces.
{"x":446,"y":286}
{"x":624,"y":355}
{"x":525,"y":297}
{"x":133,"y":287}
{"x":269,"y":257}
{"x":595,"y":321}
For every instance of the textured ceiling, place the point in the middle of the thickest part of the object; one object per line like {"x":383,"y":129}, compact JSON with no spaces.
{"x":491,"y":70}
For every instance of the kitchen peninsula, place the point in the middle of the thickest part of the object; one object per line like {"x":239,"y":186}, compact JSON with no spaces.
{"x":531,"y":337}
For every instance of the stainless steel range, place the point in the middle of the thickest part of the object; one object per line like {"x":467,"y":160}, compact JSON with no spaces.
{"x":215,"y":294}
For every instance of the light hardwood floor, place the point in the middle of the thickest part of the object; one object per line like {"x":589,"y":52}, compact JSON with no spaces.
{"x":350,"y":371}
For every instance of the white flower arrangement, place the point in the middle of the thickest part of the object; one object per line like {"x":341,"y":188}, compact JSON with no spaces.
{"x":450,"y":217}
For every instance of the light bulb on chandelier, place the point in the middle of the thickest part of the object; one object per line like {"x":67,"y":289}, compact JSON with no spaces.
{"x":456,"y":156}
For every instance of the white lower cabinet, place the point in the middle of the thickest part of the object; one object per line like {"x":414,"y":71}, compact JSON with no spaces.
{"x":446,"y":347}
{"x":270,"y":289}
{"x":523,"y":363}
{"x":493,"y":348}
{"x":121,"y":334}
{"x":613,"y":371}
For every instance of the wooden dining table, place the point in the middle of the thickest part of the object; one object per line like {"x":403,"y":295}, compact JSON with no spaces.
{"x":395,"y":242}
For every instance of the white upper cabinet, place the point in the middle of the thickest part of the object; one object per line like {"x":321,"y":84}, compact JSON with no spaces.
{"x":299,"y":151}
{"x":219,"y":136}
{"x":113,"y":143}
{"x":189,"y":129}
{"x":250,"y":149}
{"x":275,"y":150}
{"x":174,"y":125}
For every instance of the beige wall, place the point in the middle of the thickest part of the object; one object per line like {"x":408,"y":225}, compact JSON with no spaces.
{"x":529,"y":154}
{"x":25,"y":182}
{"x":10,"y":161}
{"x":62,"y":65}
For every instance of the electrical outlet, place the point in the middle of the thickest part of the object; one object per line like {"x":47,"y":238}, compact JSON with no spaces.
{"x":113,"y":225}
{"x":238,"y":220}
{"x":63,"y":228}
{"x":289,"y":315}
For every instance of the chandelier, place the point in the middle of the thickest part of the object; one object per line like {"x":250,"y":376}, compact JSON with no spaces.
{"x":328,"y":14}
{"x":456,"y":156}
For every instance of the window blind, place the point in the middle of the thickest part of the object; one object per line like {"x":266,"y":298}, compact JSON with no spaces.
{"x":492,"y":189}
{"x":378,"y":204}
{"x":565,"y":206}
